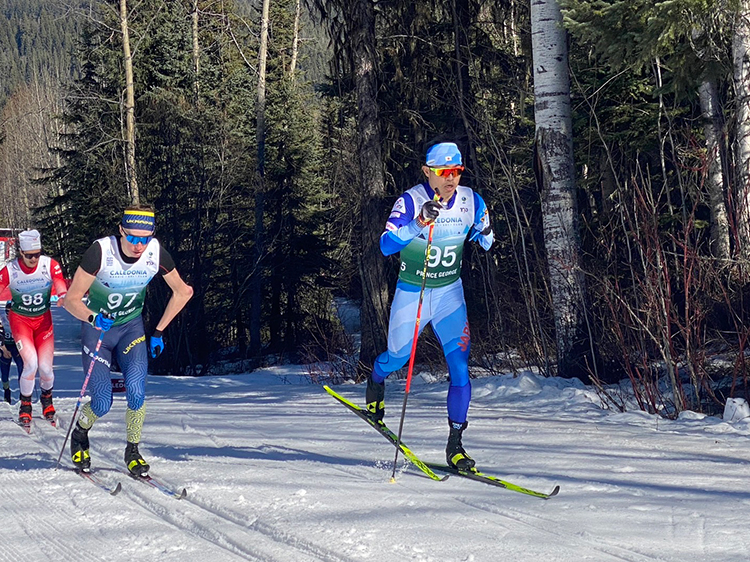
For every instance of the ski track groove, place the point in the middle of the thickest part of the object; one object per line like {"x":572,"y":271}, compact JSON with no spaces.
{"x":185,"y":522}
{"x":141,"y":498}
{"x":187,"y":428}
{"x":547,"y":526}
{"x":266,"y":529}
{"x":234,"y":533}
{"x":45,"y":533}
{"x":6,"y":553}
{"x":274,"y":533}
{"x":235,"y":539}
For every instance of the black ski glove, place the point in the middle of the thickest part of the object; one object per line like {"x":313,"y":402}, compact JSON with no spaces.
{"x":430,"y":211}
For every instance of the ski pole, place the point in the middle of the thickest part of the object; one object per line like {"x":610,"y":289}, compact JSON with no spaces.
{"x":413,"y":346}
{"x":80,"y":397}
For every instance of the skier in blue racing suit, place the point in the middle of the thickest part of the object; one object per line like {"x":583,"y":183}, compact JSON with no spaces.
{"x":458,"y":213}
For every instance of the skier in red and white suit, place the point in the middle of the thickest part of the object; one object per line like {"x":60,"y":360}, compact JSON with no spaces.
{"x":31,"y":278}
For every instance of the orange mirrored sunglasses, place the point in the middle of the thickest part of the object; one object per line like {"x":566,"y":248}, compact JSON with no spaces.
{"x":447,"y":172}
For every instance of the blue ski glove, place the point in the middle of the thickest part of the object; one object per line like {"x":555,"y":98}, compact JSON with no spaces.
{"x":157,"y":344}
{"x":102,"y":321}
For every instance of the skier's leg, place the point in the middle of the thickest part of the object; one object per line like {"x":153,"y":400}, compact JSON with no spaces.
{"x":400,"y":338}
{"x":5,"y":372}
{"x":100,"y":387}
{"x":19,"y":361}
{"x":5,"y":369}
{"x":44,"y":341}
{"x":132,"y":356}
{"x":23,"y":333}
{"x":451,"y":327}
{"x":401,"y":331}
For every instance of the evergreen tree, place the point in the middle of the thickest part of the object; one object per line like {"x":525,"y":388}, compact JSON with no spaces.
{"x":196,"y":166}
{"x":89,"y":193}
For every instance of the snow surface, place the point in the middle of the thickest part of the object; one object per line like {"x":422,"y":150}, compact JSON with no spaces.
{"x":276,"y":470}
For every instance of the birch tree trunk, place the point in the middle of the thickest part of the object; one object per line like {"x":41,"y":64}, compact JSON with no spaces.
{"x":196,"y":51}
{"x":295,"y":41}
{"x":713,"y":128}
{"x":257,"y":275}
{"x":741,"y":59}
{"x":374,"y":308}
{"x":130,"y":170}
{"x":556,"y":179}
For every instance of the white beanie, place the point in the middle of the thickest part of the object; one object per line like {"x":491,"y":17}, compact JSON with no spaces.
{"x":30,"y":240}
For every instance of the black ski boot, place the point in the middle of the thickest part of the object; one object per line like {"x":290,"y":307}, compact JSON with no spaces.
{"x":375,"y":399}
{"x":24,"y":412}
{"x":7,"y":395}
{"x":79,"y":448}
{"x":454,"y":452}
{"x":134,"y":461}
{"x":48,"y":410}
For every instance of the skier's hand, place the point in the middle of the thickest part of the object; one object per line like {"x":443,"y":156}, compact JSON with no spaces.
{"x":430,"y":211}
{"x":156,"y":344}
{"x":475,"y":234}
{"x":103,"y":321}
{"x":6,"y":352}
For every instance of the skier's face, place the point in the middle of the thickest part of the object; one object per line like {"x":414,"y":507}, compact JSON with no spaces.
{"x":30,"y":259}
{"x":134,"y":242}
{"x":444,"y":184}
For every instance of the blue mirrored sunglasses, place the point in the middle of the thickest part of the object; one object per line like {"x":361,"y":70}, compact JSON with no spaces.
{"x":138,"y":239}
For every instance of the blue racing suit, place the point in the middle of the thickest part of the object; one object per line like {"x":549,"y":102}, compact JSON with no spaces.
{"x":464,"y":216}
{"x":127,"y":342}
{"x":6,"y":339}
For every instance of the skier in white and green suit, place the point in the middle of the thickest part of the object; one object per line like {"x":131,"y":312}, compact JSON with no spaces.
{"x":115,"y":271}
{"x":458,"y":214}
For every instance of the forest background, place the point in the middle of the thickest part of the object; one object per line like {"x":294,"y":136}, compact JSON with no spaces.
{"x":274,"y":137}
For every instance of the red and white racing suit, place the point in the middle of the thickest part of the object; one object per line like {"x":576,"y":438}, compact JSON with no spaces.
{"x":30,"y":317}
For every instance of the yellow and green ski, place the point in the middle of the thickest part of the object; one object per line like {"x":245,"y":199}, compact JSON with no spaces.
{"x":430,"y":468}
{"x":381,"y":428}
{"x":474,"y":474}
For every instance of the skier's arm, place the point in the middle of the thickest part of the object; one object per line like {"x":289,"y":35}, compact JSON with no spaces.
{"x":181,"y":294}
{"x":4,"y":278}
{"x":402,"y":226}
{"x":58,"y":282}
{"x":481,"y":230}
{"x":82,"y":281}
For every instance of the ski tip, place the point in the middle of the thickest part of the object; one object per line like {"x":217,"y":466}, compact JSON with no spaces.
{"x":553,"y":492}
{"x":182,"y":494}
{"x":117,"y":490}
